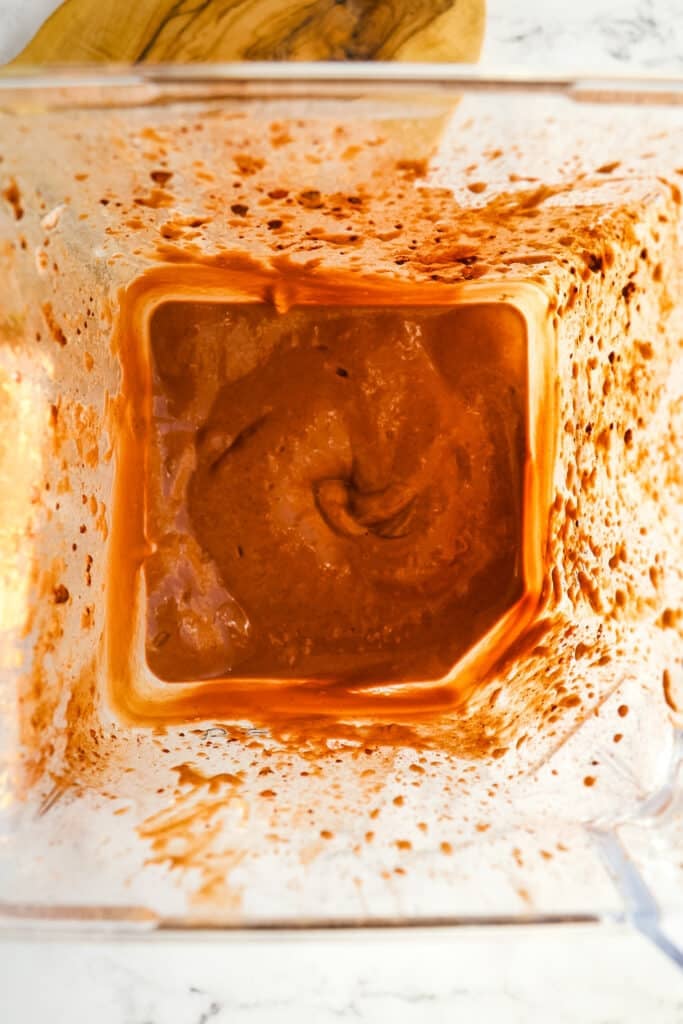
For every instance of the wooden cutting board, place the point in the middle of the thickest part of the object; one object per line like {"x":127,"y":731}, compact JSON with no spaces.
{"x":159,"y":31}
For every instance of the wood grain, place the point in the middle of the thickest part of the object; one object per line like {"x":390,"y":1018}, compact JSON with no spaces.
{"x":157,"y":31}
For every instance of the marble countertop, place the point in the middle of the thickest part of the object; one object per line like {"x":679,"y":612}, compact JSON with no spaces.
{"x":609,"y":36}
{"x":570,"y":974}
{"x":516,"y":975}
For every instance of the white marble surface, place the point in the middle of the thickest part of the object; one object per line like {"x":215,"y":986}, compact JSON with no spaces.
{"x":572,"y":974}
{"x":610,"y":36}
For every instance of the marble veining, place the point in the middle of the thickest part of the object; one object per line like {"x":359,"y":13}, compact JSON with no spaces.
{"x":571,"y":974}
{"x":608,"y":36}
